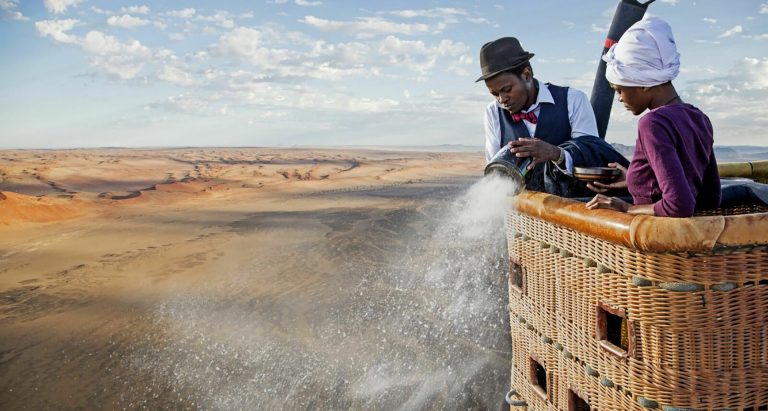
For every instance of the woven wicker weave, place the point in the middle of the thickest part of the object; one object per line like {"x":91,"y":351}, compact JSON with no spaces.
{"x":691,"y":296}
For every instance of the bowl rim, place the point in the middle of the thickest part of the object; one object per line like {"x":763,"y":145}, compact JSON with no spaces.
{"x":596,"y":171}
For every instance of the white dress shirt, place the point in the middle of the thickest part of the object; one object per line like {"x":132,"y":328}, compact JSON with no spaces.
{"x":580,"y":115}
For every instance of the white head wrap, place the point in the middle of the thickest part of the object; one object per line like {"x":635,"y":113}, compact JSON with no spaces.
{"x":645,"y":56}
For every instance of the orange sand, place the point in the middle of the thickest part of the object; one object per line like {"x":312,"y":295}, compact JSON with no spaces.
{"x":91,"y":240}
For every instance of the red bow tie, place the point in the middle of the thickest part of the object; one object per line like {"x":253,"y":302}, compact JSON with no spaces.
{"x":518,"y":117}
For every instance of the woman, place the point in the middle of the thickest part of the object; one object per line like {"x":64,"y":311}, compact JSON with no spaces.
{"x":673,"y":170}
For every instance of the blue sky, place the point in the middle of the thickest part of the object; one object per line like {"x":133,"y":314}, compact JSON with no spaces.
{"x":87,"y":73}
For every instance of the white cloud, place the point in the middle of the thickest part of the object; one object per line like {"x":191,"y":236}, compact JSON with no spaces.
{"x":458,"y":67}
{"x":730,"y":32}
{"x":270,"y":114}
{"x":306,"y":3}
{"x":597,"y":29}
{"x":367,"y":105}
{"x":672,"y":2}
{"x":101,"y":11}
{"x":176,"y":75}
{"x":415,"y":55}
{"x":478,"y":20}
{"x":710,"y":20}
{"x":135,"y":10}
{"x":582,"y":81}
{"x":569,"y":24}
{"x":248,"y":44}
{"x":344,"y":53}
{"x":186,"y":103}
{"x":124,"y":60}
{"x":735,"y":102}
{"x":8,"y":10}
{"x":279,"y":35}
{"x":222,"y":19}
{"x":609,"y":13}
{"x":57,"y":29}
{"x":764,"y":8}
{"x":182,"y":14}
{"x":335,"y":61}
{"x":246,"y":90}
{"x":14,"y":15}
{"x":366,"y":26}
{"x":753,"y":72}
{"x":449,"y":15}
{"x":568,"y":60}
{"x":126,"y":21}
{"x":708,"y":89}
{"x":60,"y":6}
{"x":709,"y":70}
{"x":757,"y":37}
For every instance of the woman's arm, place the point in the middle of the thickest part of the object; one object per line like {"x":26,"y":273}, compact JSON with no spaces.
{"x":644,"y":209}
{"x":615,"y":203}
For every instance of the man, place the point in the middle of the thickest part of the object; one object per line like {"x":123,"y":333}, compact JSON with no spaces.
{"x":560,"y":119}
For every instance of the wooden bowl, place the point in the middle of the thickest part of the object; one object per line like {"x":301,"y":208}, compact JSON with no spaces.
{"x":601,"y":174}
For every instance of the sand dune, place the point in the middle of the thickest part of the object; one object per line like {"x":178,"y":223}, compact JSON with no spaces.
{"x":20,"y":208}
{"x":99,"y":249}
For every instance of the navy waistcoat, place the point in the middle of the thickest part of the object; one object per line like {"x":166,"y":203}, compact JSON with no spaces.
{"x":553,"y":126}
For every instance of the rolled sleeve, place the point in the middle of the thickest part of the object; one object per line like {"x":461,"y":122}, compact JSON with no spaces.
{"x":580,"y":114}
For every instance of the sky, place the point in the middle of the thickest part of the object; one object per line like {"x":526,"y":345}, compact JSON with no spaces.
{"x":91,"y":73}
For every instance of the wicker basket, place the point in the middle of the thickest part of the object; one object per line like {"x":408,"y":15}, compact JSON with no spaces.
{"x":639,"y":312}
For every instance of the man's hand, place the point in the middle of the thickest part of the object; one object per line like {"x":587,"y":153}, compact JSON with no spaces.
{"x":612,"y":203}
{"x":539,"y":150}
{"x":619,"y":182}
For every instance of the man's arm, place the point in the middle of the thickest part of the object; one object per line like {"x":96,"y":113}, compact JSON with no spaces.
{"x":580,"y":114}
{"x":492,"y":132}
{"x":583,"y":123}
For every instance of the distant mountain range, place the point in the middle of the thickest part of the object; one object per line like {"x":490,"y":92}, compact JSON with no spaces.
{"x":723,"y":154}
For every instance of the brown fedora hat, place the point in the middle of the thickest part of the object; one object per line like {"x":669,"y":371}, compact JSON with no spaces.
{"x":501,"y":55}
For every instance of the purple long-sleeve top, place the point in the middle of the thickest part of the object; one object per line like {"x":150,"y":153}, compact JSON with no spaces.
{"x":674,"y":165}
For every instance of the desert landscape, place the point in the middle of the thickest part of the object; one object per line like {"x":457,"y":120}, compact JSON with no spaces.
{"x":204,"y":278}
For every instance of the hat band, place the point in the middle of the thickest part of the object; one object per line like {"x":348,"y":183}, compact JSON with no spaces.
{"x":507,"y":65}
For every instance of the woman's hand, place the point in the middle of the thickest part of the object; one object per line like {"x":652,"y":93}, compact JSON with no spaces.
{"x":540,"y":150}
{"x":611,"y":203}
{"x":619,"y":182}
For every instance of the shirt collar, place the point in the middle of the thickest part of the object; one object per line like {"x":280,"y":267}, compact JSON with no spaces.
{"x":544,"y":96}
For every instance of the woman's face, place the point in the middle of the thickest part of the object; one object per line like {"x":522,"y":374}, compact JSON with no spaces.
{"x":512,"y":92}
{"x":635,"y":99}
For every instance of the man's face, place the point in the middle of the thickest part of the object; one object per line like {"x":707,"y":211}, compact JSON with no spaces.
{"x":511,"y":92}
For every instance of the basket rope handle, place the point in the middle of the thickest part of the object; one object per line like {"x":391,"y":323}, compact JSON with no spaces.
{"x":513,"y":402}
